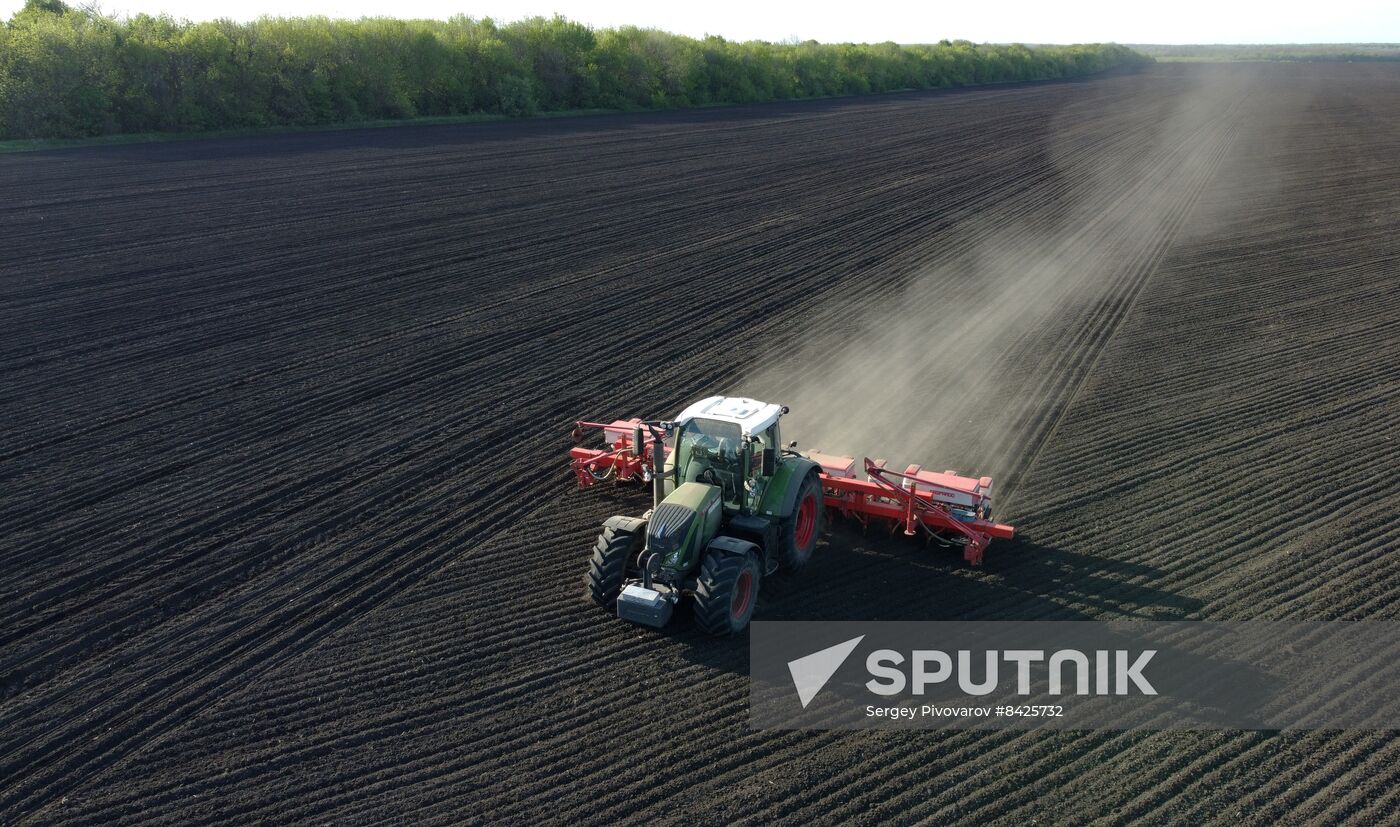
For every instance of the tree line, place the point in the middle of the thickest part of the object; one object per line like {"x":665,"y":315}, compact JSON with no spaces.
{"x":1299,"y":52}
{"x":68,"y":72}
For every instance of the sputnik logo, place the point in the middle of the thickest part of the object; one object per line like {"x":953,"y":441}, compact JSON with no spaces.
{"x":811,"y":672}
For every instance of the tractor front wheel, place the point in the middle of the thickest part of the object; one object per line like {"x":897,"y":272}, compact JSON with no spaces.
{"x":614,"y":552}
{"x":727,"y":592}
{"x":798,"y":532}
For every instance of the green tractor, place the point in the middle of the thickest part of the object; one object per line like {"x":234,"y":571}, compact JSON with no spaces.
{"x":731,"y":506}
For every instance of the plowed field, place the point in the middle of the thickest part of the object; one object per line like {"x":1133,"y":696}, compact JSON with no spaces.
{"x":288,"y":532}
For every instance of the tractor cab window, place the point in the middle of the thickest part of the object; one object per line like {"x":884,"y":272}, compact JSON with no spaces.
{"x":767,"y":438}
{"x":711,"y":451}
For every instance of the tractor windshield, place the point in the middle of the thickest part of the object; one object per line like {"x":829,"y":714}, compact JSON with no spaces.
{"x":711,"y":451}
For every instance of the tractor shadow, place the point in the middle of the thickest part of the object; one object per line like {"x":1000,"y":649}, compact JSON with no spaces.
{"x":879,"y":577}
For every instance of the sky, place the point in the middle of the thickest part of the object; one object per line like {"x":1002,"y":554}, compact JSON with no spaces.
{"x":1027,"y":21}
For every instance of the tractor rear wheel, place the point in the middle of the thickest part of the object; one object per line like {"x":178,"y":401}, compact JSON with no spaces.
{"x":613,"y":554}
{"x":798,"y":532}
{"x":726,"y":592}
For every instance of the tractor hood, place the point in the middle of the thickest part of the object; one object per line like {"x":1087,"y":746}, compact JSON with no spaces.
{"x":685,"y":521}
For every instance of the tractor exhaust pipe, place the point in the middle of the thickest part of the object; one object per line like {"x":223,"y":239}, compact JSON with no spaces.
{"x":658,"y":468}
{"x":658,"y":452}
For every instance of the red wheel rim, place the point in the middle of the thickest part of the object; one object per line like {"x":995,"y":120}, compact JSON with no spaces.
{"x":743,"y":594}
{"x":806,"y":521}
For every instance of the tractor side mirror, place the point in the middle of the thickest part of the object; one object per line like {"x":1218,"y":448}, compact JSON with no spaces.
{"x":770,"y":462}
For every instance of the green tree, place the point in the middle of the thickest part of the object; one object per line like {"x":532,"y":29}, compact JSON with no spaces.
{"x":67,"y":72}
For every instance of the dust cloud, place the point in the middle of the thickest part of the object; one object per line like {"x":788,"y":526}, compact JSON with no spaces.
{"x":968,"y":365}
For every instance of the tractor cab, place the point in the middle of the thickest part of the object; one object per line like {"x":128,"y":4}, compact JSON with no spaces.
{"x":728,"y":442}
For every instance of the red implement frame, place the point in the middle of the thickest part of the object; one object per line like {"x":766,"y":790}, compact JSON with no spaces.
{"x":884,"y":495}
{"x":882,"y":498}
{"x":620,"y":462}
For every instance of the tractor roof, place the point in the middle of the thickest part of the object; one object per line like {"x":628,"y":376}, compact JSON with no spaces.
{"x":750,"y":415}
